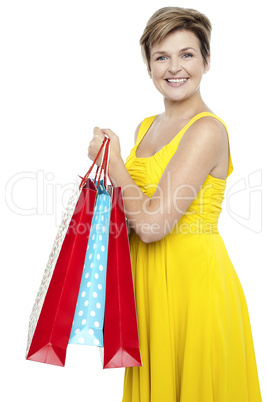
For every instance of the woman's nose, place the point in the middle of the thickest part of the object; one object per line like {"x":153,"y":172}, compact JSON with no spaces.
{"x":174,"y":66}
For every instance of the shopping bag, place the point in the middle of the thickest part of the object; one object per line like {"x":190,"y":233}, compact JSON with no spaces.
{"x":88,"y":322}
{"x":50,"y":266}
{"x":121,"y":342}
{"x":54,"y":308}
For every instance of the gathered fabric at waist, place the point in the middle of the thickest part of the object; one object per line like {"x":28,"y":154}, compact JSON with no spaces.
{"x":194,"y":225}
{"x":198,"y":226}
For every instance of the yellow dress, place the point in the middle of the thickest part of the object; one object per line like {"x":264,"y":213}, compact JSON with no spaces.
{"x":194,"y":328}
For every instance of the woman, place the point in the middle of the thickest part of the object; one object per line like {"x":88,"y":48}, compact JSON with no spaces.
{"x":194,"y":330}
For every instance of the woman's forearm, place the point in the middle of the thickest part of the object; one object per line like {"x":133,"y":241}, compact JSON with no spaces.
{"x":146,"y":215}
{"x":136,"y":203}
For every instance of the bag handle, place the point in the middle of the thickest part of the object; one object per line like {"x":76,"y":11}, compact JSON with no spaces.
{"x":104,"y":164}
{"x":84,"y":179}
{"x":106,"y":159}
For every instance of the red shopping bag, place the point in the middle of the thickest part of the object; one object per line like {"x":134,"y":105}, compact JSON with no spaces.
{"x":51,"y":334}
{"x":121,"y":343}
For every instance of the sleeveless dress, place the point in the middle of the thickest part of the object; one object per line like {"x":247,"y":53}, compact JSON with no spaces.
{"x":194,"y":329}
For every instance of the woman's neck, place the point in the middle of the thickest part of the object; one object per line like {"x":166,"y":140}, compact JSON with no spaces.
{"x":185,"y":109}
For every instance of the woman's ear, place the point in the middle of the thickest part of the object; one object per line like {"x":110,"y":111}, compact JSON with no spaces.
{"x":207,"y":65}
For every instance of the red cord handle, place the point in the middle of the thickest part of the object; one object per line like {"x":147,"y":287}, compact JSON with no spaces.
{"x":103,"y":167}
{"x":84,"y":179}
{"x":106,"y":159}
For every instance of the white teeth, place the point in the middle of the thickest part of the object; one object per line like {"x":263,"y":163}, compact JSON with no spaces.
{"x":177,"y":80}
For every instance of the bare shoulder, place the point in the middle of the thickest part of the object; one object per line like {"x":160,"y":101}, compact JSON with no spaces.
{"x":206,"y":141}
{"x":208,"y":129}
{"x":136,"y":132}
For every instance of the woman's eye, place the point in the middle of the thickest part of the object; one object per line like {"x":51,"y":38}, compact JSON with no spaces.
{"x":187,"y":55}
{"x":161,"y":58}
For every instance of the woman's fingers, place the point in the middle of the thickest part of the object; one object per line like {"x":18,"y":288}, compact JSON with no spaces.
{"x":115,"y":149}
{"x":109,"y":133}
{"x":95,"y":144}
{"x":97,"y":140}
{"x":98,"y":134}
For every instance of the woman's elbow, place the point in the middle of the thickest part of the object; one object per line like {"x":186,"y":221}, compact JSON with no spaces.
{"x":149,"y":238}
{"x":150,"y":233}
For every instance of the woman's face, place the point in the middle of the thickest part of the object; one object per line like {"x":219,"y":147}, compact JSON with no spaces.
{"x":177,"y":65}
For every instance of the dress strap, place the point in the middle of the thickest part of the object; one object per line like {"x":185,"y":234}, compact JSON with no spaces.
{"x":146,"y":123}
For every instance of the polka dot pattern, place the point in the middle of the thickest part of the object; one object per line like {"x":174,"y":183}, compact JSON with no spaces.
{"x":88,"y":321}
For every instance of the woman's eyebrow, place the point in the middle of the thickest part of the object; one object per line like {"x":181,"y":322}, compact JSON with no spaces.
{"x":187,"y":48}
{"x":159,"y":52}
{"x":182,"y":50}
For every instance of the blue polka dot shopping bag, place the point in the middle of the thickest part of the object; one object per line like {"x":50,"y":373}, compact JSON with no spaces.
{"x":88,"y":322}
{"x":54,"y":308}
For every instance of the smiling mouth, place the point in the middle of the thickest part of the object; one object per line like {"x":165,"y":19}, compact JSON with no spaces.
{"x":176,"y":80}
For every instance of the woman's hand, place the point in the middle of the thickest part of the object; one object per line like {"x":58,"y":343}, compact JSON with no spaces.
{"x":96,"y":142}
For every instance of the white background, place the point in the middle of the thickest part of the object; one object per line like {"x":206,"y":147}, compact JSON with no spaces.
{"x":67,"y":66}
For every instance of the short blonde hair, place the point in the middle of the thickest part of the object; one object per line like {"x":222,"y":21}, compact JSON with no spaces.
{"x":169,"y":19}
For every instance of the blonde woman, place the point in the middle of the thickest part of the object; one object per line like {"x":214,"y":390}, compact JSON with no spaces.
{"x":194,"y":329}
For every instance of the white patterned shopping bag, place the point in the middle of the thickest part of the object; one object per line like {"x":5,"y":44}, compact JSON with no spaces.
{"x":88,"y":321}
{"x":50,"y":266}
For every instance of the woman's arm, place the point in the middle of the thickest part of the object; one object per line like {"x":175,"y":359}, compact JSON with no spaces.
{"x":197,"y":154}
